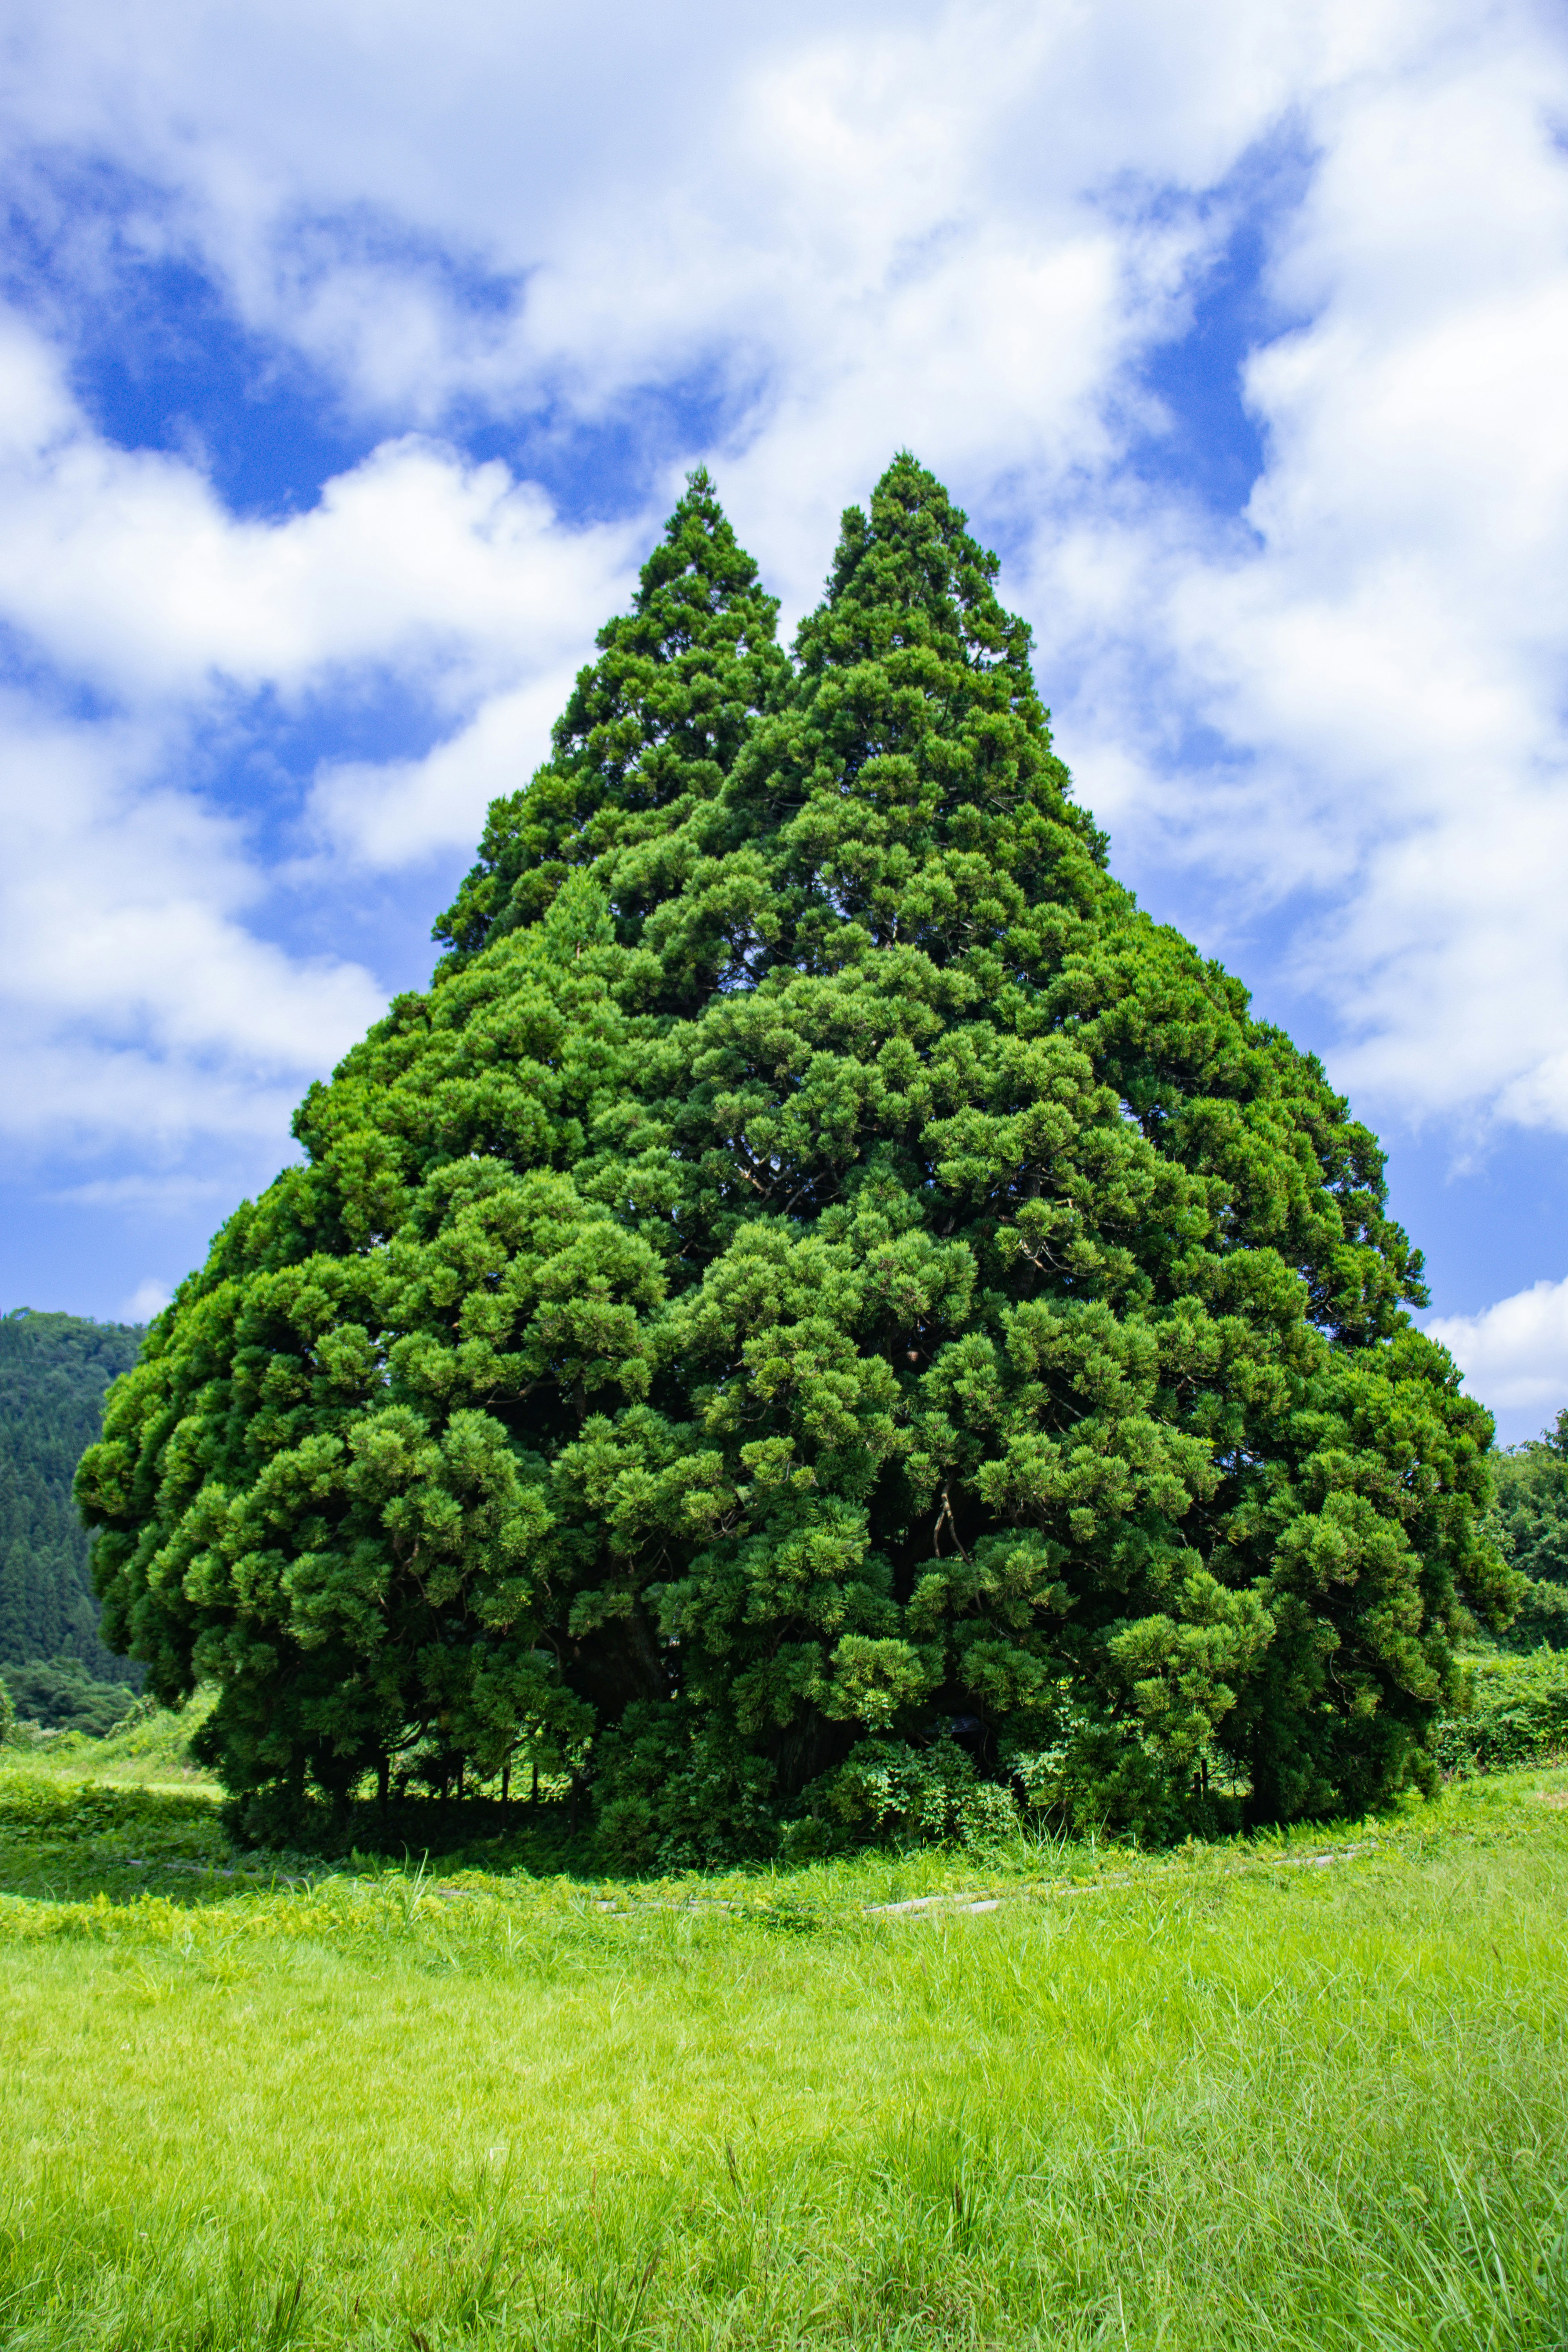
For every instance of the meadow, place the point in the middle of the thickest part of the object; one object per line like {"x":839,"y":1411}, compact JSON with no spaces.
{"x":1304,"y":2092}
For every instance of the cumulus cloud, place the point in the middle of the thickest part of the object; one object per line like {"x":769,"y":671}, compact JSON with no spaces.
{"x":631,"y":196}
{"x":828,"y":233}
{"x":125,"y":567}
{"x":389,"y":813}
{"x":149,"y":1298}
{"x":134,"y":1000}
{"x":141,"y":996}
{"x":1376,"y":650}
{"x":1514,"y":1356}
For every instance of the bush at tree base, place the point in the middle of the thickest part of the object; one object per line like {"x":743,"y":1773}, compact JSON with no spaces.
{"x":822,"y":1310}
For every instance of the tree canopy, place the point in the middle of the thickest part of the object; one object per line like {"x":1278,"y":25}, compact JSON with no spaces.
{"x":824,"y":1315}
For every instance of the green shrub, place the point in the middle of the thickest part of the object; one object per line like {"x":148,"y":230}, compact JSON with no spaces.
{"x":1517,"y":1714}
{"x":677,"y":1794}
{"x":1097,"y":1771}
{"x":927,"y":1793}
{"x":152,"y":1739}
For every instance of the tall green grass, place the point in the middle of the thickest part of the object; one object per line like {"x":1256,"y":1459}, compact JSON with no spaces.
{"x":1230,"y":2097}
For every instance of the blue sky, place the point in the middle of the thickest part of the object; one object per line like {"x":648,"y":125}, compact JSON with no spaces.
{"x":349,"y":362}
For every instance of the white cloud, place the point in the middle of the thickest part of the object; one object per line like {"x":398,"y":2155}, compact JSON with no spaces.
{"x":126,"y":569}
{"x":958,"y":227}
{"x":1380,"y":655}
{"x":656,"y":193}
{"x":1514,"y":1356}
{"x":141,"y":1000}
{"x":394,"y":812}
{"x":149,"y":1298}
{"x":145,"y":1192}
{"x":135,"y":1001}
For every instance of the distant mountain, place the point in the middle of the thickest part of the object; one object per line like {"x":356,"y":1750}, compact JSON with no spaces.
{"x":54,"y":1369}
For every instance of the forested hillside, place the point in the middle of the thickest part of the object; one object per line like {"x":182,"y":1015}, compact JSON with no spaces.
{"x":54,"y":1369}
{"x":1531,"y":1532}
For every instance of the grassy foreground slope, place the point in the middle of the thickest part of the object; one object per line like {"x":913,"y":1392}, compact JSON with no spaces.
{"x":1237,"y":2096}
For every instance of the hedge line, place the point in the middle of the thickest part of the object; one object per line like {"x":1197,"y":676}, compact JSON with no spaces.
{"x":27,"y":1801}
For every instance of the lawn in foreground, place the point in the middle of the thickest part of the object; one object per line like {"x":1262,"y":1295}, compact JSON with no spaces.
{"x":1231,"y":2097}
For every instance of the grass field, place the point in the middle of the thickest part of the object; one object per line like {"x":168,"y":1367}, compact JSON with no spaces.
{"x":1237,"y":2096}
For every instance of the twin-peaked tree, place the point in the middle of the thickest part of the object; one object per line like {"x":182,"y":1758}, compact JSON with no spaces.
{"x":822,"y":1311}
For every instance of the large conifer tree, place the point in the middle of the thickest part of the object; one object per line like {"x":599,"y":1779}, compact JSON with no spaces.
{"x":822,"y":1308}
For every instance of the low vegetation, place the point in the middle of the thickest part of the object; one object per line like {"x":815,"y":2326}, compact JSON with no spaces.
{"x":150,"y":1745}
{"x":1516,"y":1711}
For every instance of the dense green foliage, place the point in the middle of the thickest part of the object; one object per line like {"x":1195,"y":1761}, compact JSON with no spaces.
{"x":643,"y":748}
{"x":1513,"y":1712}
{"x":822,"y":1311}
{"x":54,"y":1369}
{"x":1529,"y":1527}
